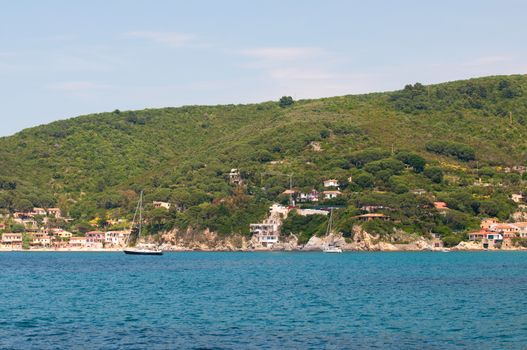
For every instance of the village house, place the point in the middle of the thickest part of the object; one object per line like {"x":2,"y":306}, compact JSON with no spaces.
{"x":331,"y":194}
{"x":116,"y":238}
{"x":372,"y":208}
{"x":372,"y":216}
{"x":95,"y":239}
{"x":55,"y":212}
{"x":159,"y":204}
{"x":77,"y":242}
{"x":440,"y":206}
{"x":522,"y":229}
{"x":39,"y":211}
{"x":235,"y":177}
{"x":12,"y":240}
{"x":504,"y":229}
{"x":41,"y":239}
{"x":487,"y":223}
{"x":311,"y":196}
{"x":267,"y":233}
{"x":58,"y":232}
{"x":419,"y":191}
{"x":517,"y":197}
{"x":306,"y":212}
{"x":331,"y":183}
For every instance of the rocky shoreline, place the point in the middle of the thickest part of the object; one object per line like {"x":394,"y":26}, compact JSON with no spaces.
{"x":208,"y":241}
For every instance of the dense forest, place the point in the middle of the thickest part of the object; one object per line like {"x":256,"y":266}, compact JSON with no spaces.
{"x":401,"y":150}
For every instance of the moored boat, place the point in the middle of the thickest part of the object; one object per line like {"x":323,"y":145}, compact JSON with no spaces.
{"x":330,"y":247}
{"x":135,"y":233}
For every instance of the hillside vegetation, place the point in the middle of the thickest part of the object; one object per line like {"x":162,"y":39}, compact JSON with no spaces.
{"x":440,"y":138}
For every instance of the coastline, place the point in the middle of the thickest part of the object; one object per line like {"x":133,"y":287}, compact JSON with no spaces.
{"x":394,"y":248}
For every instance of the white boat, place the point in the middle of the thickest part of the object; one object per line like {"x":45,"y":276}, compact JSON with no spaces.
{"x":330,"y":247}
{"x":135,"y":233}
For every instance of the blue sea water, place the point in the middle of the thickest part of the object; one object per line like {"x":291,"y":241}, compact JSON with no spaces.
{"x":263,"y":300}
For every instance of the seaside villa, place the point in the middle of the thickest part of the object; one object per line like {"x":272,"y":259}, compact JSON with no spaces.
{"x":12,"y":240}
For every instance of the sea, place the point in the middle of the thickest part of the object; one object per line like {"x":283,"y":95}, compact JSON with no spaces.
{"x":199,"y":300}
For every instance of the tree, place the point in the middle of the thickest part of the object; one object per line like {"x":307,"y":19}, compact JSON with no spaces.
{"x":412,"y":159}
{"x":364,"y":180}
{"x":286,"y":101}
{"x":434,"y":173}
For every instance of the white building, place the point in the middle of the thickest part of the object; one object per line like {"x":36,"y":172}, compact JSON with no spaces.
{"x":331,"y":183}
{"x":116,"y":238}
{"x":159,"y":204}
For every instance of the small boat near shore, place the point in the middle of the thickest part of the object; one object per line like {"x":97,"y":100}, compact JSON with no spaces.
{"x":330,"y":247}
{"x":135,"y":232}
{"x":143,"y":251}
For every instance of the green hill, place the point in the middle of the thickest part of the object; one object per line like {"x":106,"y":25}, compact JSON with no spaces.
{"x":440,"y":138}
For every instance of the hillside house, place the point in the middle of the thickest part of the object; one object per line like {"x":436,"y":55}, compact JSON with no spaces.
{"x":55,"y":212}
{"x":419,"y":191}
{"x":95,"y":239}
{"x":311,"y":196}
{"x":331,"y":194}
{"x":41,"y":239}
{"x":307,"y":212}
{"x":372,"y":216}
{"x":517,"y":197}
{"x":505,"y":230}
{"x":116,"y":238}
{"x":488,"y":222}
{"x":39,"y":211}
{"x":58,"y":232}
{"x":442,"y":207}
{"x":522,"y":229}
{"x":77,"y":242}
{"x":235,"y":177}
{"x":267,"y":233}
{"x":331,"y":183}
{"x":12,"y":240}
{"x":159,"y":204}
{"x":372,"y":208}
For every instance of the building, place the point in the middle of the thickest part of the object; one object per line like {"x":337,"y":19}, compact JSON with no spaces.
{"x":41,"y":239}
{"x":235,"y":177}
{"x":267,"y":233}
{"x":522,"y":229}
{"x":487,"y":223}
{"x":372,"y":208}
{"x":55,"y":212}
{"x":517,"y":198}
{"x":39,"y":211}
{"x":440,"y":206}
{"x":311,"y":196}
{"x":331,"y":183}
{"x":12,"y":240}
{"x":372,"y":216}
{"x":116,"y":238}
{"x":95,"y":239}
{"x":506,"y":230}
{"x":158,"y":204}
{"x":77,"y":242}
{"x":331,"y":194}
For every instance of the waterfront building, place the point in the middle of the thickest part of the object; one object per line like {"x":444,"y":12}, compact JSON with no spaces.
{"x":12,"y":240}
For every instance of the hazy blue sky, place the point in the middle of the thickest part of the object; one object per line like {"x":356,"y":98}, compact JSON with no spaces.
{"x":59,"y":59}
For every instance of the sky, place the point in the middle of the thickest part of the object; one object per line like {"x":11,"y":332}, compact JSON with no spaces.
{"x":61,"y":59}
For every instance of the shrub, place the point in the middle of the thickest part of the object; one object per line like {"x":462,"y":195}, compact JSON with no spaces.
{"x":455,"y":149}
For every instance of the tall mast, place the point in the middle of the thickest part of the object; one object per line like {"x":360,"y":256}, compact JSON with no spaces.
{"x":140,"y":214}
{"x":328,"y":230}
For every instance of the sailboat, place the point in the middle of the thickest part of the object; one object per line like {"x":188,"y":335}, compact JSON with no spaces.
{"x":135,"y":233}
{"x":330,"y":247}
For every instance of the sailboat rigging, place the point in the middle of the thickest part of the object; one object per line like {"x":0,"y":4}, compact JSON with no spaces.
{"x":135,"y":232}
{"x":330,"y":247}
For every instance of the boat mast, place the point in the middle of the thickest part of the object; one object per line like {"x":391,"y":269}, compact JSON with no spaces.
{"x":328,"y":230}
{"x":140,"y":214}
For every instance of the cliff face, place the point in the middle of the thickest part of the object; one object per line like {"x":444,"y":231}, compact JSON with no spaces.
{"x":206,"y":240}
